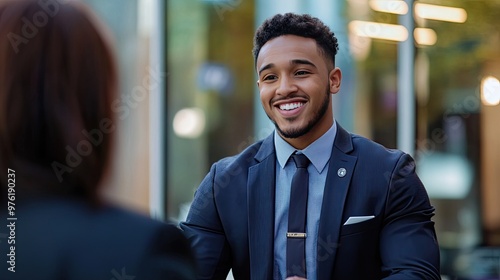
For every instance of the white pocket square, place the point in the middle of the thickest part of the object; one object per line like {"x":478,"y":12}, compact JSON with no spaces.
{"x":357,"y":219}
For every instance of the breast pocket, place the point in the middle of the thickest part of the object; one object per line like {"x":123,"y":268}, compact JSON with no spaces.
{"x":368,"y":225}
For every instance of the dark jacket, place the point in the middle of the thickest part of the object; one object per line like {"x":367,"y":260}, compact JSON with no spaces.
{"x":231,"y":220}
{"x":59,"y":239}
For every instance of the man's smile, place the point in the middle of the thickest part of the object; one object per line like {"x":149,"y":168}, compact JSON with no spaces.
{"x":290,"y":106}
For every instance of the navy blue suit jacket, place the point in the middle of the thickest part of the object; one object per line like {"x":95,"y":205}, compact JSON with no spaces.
{"x":64,"y":239}
{"x":231,"y":220}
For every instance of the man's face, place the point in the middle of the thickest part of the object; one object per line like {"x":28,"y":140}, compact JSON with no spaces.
{"x":295,"y":84}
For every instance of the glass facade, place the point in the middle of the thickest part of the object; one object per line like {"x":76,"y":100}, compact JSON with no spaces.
{"x":210,"y":90}
{"x":129,"y":179}
{"x":455,"y":137}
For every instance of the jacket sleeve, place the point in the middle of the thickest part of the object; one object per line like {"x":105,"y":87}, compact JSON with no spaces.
{"x":409,"y":248}
{"x":205,"y":233}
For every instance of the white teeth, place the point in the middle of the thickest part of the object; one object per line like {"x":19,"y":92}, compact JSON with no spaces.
{"x":291,"y":106}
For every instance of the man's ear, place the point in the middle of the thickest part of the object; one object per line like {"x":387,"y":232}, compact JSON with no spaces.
{"x":334,"y":80}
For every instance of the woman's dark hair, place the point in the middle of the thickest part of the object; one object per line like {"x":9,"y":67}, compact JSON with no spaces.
{"x":300,"y":25}
{"x":57,"y":82}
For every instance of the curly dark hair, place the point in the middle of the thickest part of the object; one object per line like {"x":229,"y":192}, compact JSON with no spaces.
{"x":301,"y":25}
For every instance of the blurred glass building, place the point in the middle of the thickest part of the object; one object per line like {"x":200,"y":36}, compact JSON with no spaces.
{"x":421,"y":76}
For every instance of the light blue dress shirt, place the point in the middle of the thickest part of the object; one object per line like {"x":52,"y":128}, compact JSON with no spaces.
{"x":318,"y":153}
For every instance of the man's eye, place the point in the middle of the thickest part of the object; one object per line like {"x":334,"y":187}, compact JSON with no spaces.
{"x":270,"y":78}
{"x":299,"y":73}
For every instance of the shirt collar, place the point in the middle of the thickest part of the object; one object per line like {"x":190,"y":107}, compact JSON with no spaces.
{"x":318,"y":152}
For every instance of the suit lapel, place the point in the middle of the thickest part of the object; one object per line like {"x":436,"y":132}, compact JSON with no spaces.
{"x":261,"y":192}
{"x":336,"y":188}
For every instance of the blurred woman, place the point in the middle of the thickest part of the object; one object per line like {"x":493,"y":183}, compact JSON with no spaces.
{"x":57,"y":82}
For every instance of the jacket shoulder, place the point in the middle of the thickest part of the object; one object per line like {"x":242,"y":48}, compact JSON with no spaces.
{"x":244,"y":158}
{"x":106,"y":238}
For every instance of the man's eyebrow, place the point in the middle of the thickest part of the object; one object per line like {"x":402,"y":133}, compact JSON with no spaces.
{"x":265,"y":67}
{"x":302,"y":61}
{"x":292,"y":62}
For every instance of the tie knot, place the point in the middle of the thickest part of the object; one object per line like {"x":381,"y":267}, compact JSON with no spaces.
{"x":301,"y":161}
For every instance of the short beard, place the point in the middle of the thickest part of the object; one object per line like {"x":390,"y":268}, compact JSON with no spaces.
{"x":296,"y":133}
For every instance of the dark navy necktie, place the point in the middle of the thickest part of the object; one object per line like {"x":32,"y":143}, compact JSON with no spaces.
{"x":297,"y":213}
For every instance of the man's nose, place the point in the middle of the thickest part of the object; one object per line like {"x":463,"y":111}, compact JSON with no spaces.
{"x":286,"y":86}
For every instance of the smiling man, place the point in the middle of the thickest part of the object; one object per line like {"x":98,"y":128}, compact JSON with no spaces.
{"x":311,"y":201}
